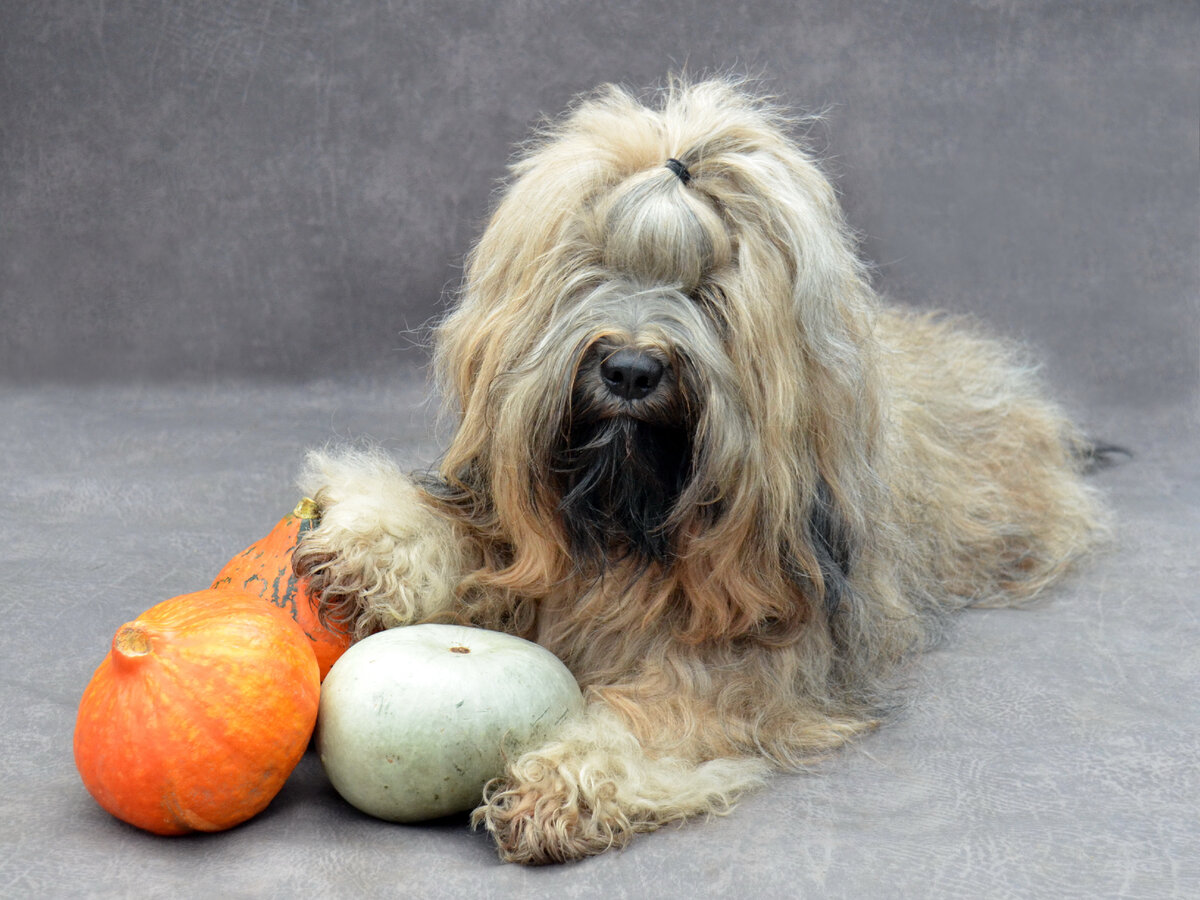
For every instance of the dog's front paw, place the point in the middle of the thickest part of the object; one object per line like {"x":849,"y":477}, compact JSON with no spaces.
{"x":548,"y":821}
{"x":380,"y":557}
{"x":344,"y":584}
{"x":594,"y":788}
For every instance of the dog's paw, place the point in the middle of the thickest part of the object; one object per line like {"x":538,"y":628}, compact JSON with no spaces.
{"x":594,"y":788}
{"x":549,"y":822}
{"x":348,"y":587}
{"x":380,"y":557}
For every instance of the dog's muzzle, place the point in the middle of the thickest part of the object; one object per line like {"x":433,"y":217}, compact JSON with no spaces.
{"x":616,"y":378}
{"x":623,"y":454}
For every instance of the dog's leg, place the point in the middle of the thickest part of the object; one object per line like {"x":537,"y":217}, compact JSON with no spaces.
{"x":381,"y":557}
{"x":594,"y":788}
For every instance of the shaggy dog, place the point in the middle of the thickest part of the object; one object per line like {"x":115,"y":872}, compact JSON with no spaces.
{"x":699,"y":461}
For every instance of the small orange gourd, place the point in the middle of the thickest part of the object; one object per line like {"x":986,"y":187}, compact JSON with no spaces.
{"x":198,"y":714}
{"x":265,"y":568}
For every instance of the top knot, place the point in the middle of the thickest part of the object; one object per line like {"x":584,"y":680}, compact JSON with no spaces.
{"x":657,"y":233}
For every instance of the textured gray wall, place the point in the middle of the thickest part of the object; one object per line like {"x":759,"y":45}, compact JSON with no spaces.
{"x":197,"y":189}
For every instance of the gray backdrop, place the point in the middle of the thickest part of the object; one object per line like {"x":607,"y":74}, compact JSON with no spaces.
{"x":199,"y":189}
{"x":223,"y":225}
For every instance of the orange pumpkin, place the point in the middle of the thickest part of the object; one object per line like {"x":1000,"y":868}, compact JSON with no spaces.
{"x":199,"y":713}
{"x":265,"y":568}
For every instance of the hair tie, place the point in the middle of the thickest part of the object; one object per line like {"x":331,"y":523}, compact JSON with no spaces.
{"x":679,"y":169}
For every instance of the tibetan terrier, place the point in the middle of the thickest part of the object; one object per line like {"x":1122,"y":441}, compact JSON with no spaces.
{"x":697,"y":459}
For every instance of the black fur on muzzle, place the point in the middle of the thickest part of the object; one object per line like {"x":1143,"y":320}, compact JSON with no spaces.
{"x":619,"y":466}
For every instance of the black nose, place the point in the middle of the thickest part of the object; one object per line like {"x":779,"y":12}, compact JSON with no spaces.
{"x":631,"y":374}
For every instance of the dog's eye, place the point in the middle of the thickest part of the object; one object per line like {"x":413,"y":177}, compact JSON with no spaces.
{"x":711,"y":300}
{"x":710,"y":295}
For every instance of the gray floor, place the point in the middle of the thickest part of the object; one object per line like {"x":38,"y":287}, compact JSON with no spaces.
{"x":1050,"y":752}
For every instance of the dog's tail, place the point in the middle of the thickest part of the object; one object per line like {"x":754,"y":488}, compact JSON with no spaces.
{"x":1096,"y":455}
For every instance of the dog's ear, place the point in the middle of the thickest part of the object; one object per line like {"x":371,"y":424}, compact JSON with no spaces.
{"x":829,"y":544}
{"x":833,"y":546}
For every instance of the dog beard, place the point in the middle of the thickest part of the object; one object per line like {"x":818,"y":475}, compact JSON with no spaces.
{"x":619,"y":479}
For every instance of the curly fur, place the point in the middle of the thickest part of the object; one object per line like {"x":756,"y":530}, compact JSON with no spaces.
{"x":732,"y":566}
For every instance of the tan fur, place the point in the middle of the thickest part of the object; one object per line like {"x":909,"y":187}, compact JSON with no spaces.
{"x":931,"y":450}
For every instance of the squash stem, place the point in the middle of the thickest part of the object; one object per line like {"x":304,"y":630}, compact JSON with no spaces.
{"x":130,"y":643}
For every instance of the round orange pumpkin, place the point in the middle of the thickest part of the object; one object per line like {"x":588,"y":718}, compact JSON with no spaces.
{"x":265,"y":568}
{"x":198,"y":714}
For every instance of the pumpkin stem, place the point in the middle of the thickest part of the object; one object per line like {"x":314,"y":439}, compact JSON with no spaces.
{"x":306,"y":509}
{"x":131,"y":641}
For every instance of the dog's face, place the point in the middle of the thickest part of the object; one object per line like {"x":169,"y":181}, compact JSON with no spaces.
{"x":655,"y":358}
{"x":625,"y":452}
